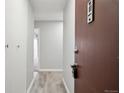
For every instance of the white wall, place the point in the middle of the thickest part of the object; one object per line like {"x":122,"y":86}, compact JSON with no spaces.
{"x":48,"y":9}
{"x":51,"y":44}
{"x":18,"y":23}
{"x":68,"y":43}
{"x":30,"y":39}
{"x":51,"y":16}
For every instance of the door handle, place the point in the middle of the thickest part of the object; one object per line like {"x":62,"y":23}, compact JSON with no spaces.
{"x":74,"y":70}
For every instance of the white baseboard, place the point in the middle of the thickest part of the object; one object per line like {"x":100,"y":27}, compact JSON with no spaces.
{"x":32,"y":82}
{"x":65,"y":85}
{"x":60,"y":70}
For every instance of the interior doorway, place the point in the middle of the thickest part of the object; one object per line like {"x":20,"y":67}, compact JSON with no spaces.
{"x":36,"y":45}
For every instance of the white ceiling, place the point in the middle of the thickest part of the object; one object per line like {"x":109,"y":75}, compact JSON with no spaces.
{"x":47,"y":8}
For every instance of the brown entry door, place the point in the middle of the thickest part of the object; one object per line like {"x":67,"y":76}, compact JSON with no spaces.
{"x":97,"y":45}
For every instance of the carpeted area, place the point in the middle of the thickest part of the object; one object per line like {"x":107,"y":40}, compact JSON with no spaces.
{"x":49,"y":82}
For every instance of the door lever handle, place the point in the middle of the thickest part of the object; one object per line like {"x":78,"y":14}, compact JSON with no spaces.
{"x":74,"y":70}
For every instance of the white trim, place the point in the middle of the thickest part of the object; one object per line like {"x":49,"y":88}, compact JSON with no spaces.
{"x":32,"y":82}
{"x":60,"y":70}
{"x":65,"y":85}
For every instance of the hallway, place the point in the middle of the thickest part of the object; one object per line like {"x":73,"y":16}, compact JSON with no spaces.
{"x":40,"y":46}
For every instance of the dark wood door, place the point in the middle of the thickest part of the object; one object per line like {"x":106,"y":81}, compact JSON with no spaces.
{"x":97,"y":58}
